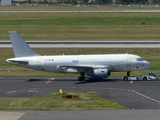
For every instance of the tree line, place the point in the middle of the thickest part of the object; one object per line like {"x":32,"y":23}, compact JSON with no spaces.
{"x":123,"y":2}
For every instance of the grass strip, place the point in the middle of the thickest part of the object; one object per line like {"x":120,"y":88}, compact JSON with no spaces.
{"x":53,"y":101}
{"x":81,"y":26}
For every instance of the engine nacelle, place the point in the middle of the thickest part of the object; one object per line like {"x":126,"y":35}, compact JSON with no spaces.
{"x":101,"y":73}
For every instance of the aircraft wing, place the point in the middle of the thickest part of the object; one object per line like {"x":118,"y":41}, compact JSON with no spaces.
{"x":78,"y":68}
{"x":83,"y":68}
{"x":70,"y":66}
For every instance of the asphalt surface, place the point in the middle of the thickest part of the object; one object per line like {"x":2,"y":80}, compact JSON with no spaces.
{"x":135,"y":95}
{"x":87,"y":44}
{"x":141,"y":96}
{"x":82,"y":115}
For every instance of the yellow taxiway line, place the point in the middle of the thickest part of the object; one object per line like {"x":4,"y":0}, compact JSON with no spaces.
{"x":50,"y":80}
{"x":131,"y":81}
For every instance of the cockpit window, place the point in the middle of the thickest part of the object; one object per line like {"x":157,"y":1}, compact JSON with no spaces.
{"x":140,"y":59}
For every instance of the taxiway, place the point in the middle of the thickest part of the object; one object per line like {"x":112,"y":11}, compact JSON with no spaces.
{"x":135,"y":95}
{"x":141,"y":96}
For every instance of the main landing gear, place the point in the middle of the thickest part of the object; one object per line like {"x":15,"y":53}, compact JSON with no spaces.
{"x":82,"y":77}
{"x":126,"y":77}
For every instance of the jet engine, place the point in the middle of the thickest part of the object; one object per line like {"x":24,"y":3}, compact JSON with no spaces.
{"x":100,"y":73}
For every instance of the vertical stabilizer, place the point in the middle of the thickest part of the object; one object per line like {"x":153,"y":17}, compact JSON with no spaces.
{"x":20,"y":47}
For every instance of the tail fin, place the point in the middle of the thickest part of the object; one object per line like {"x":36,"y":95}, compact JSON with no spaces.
{"x":20,"y":47}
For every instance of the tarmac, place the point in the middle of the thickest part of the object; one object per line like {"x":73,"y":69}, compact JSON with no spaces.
{"x":135,"y":95}
{"x":82,"y":115}
{"x":142,"y":97}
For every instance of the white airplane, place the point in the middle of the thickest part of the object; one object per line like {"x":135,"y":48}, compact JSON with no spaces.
{"x":99,"y":66}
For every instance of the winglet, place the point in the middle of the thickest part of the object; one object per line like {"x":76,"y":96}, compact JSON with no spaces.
{"x":20,"y":47}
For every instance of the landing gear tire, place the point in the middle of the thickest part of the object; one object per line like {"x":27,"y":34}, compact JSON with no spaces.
{"x":125,"y":78}
{"x":80,"y":79}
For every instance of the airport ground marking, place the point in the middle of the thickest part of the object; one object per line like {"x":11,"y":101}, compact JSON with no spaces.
{"x":50,"y":80}
{"x":144,"y":96}
{"x":9,"y":92}
{"x":131,"y":81}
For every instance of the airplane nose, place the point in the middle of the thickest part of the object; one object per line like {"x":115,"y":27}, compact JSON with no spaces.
{"x":147,"y":65}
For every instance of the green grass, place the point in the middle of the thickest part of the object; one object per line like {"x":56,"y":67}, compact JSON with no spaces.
{"x":81,"y":26}
{"x":151,"y":55}
{"x":53,"y":101}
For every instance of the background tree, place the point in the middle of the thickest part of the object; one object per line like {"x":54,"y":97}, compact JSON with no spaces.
{"x":29,"y":1}
{"x":103,"y":1}
{"x":156,"y":1}
{"x":45,"y":2}
{"x":140,"y":1}
{"x":83,"y":1}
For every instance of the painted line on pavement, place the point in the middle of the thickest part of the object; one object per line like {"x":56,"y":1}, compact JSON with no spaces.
{"x":50,"y":80}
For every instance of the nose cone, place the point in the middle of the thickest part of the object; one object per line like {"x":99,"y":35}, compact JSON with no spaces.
{"x":146,"y":65}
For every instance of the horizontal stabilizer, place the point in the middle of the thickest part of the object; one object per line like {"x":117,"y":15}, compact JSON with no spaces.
{"x":20,"y":47}
{"x":17,"y":61}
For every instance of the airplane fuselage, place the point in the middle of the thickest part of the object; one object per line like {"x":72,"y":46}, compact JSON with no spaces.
{"x":92,"y":65}
{"x":112,"y":62}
